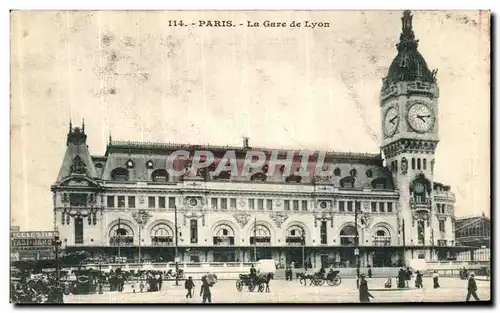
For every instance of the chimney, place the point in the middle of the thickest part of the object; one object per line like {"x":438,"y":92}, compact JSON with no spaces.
{"x":245,"y":142}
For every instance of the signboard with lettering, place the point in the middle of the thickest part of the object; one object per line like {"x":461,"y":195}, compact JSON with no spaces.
{"x":25,"y":240}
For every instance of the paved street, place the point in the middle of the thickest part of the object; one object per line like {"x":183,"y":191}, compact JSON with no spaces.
{"x":452,"y":289}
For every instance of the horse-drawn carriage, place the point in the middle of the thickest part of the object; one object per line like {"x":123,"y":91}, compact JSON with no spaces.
{"x":260,"y":281}
{"x":332,"y":278}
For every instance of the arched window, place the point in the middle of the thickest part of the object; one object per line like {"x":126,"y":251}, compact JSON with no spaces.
{"x":162,"y":235}
{"x":353,"y":172}
{"x":379,"y":183}
{"x":337,"y":172}
{"x":119,"y":174}
{"x":347,"y":182}
{"x":418,"y":164}
{"x":150,"y":165}
{"x":396,"y":165}
{"x":295,"y":236}
{"x":424,"y":164}
{"x":160,"y":175}
{"x":258,"y":177}
{"x":392,"y":166}
{"x":348,"y":236}
{"x":121,"y":235}
{"x":223,"y":235}
{"x":382,"y":237}
{"x":369,"y":173}
{"x":413,"y":163}
{"x":130,"y":164}
{"x":261,"y":236}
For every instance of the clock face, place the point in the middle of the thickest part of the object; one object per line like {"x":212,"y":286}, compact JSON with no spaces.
{"x":420,"y":117}
{"x":391,"y":121}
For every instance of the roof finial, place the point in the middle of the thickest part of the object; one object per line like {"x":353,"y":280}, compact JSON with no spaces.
{"x":83,"y":125}
{"x":407,"y":36}
{"x":70,"y":126}
{"x":109,"y":137}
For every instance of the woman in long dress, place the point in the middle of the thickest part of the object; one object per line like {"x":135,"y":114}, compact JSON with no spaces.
{"x":435,"y":278}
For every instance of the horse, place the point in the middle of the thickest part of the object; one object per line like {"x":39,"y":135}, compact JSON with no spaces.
{"x":264,"y":279}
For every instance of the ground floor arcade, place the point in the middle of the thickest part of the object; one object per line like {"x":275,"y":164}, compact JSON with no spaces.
{"x":315,"y":257}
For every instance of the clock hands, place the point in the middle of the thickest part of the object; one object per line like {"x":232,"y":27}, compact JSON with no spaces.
{"x":393,"y":119}
{"x":421,"y":117}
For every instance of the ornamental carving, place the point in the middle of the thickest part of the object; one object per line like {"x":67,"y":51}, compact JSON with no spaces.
{"x":78,"y":166}
{"x":404,"y":166}
{"x":242,"y":218}
{"x":366,"y":220}
{"x":421,"y":216}
{"x":242,"y":203}
{"x":279,"y":218}
{"x":142,"y":217}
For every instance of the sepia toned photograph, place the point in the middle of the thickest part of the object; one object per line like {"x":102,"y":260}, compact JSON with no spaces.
{"x":246,"y":157}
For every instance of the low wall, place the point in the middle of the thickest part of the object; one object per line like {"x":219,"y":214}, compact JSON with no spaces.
{"x":233,"y":270}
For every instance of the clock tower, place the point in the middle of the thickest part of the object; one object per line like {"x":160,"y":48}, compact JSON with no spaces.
{"x":408,"y":102}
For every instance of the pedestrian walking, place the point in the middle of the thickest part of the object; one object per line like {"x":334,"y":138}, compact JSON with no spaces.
{"x":435,"y":278}
{"x":205,"y":291}
{"x":364,"y":293}
{"x":408,"y":277}
{"x":189,"y":285}
{"x":472,"y":288}
{"x":160,"y":280}
{"x":418,"y":280}
{"x":369,"y":271}
{"x":402,"y":275}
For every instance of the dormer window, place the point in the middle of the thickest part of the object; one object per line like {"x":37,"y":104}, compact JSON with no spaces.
{"x":337,"y":172}
{"x":99,"y":165}
{"x":369,"y":173}
{"x":347,"y":182}
{"x":130,"y":164}
{"x":119,"y":174}
{"x":353,"y":172}
{"x":149,"y":165}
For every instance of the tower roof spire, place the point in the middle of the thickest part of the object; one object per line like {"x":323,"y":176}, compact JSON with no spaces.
{"x":407,"y":37}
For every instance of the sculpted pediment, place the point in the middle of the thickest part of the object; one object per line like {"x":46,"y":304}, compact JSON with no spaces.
{"x":79,"y":181}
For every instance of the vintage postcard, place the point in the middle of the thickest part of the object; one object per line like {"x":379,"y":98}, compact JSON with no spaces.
{"x":250,"y":156}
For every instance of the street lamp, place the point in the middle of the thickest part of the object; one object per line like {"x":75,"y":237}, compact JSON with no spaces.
{"x":56,"y":243}
{"x":356,"y":243}
{"x":176,"y":247}
{"x":303,"y":249}
{"x":142,"y":217}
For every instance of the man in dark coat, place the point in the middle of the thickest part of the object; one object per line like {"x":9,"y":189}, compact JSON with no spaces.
{"x":205,"y":291}
{"x":408,"y":277}
{"x":472,"y":288}
{"x":253,"y":273}
{"x":401,"y":279}
{"x":418,"y":280}
{"x":189,"y":285}
{"x":364,"y":293}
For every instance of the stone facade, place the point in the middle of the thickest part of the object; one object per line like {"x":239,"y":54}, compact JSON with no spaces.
{"x":126,"y":204}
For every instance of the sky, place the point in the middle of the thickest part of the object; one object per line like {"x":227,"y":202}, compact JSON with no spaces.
{"x":131,"y":75}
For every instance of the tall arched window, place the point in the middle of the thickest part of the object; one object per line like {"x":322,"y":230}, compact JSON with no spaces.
{"x":261,"y":236}
{"x":424,"y":164}
{"x":382,"y":237}
{"x":413,"y":163}
{"x":223,"y":235}
{"x":295,"y":236}
{"x":162,"y":235}
{"x":119,"y":174}
{"x":418,"y":163}
{"x":121,"y":235}
{"x":78,"y":230}
{"x":348,"y":236}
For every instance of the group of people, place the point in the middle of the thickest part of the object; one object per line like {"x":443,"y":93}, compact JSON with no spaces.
{"x":42,"y":290}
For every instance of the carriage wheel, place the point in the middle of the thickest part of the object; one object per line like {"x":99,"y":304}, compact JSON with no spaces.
{"x":239,"y":285}
{"x":261,"y":287}
{"x":330,"y":282}
{"x":251,"y":286}
{"x":303,"y":281}
{"x":320,"y":281}
{"x":337,"y":280}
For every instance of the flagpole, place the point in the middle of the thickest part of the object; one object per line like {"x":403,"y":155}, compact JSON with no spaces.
{"x":119,"y":239}
{"x":255,"y":241}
